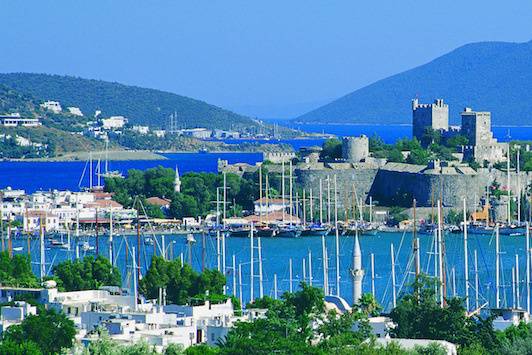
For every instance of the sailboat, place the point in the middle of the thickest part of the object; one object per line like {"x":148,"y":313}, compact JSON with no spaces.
{"x":108,"y":173}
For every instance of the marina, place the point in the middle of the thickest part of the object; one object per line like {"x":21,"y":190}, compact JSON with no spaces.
{"x":277,"y":254}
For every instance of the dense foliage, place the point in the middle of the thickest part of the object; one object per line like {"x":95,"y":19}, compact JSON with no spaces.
{"x":87,"y":274}
{"x":331,"y":149}
{"x":49,"y":330}
{"x":139,"y":105}
{"x":197,"y":196}
{"x":180,"y":281}
{"x":16,"y":271}
{"x":418,"y":315}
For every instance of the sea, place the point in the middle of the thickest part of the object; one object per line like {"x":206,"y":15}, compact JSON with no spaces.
{"x":305,"y":255}
{"x":276,"y":252}
{"x":34,"y":176}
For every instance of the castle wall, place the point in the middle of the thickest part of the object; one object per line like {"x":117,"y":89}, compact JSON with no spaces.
{"x":346,"y":179}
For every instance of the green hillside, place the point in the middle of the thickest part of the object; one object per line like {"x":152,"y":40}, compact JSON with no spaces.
{"x":141,"y":106}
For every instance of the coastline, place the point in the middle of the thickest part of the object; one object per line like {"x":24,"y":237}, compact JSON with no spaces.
{"x":113,"y":155}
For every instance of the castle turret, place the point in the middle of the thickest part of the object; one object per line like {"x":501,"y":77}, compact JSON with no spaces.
{"x":177,"y":181}
{"x":357,"y":272}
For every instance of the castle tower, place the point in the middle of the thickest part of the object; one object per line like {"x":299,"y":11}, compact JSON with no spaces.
{"x":177,"y":181}
{"x":357,"y":272}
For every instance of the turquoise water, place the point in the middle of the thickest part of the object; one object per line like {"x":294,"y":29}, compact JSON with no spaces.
{"x":277,"y":252}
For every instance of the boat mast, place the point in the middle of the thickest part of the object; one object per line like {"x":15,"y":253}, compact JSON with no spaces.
{"x":251,"y":297}
{"x":274,"y":286}
{"x":508,"y":184}
{"x":466,"y":264}
{"x":304,"y":209}
{"x":234,"y":276}
{"x":328,"y":200}
{"x":261,"y":292}
{"x":311,"y":203}
{"x":225,"y":198}
{"x":261,"y":202}
{"x":518,"y":303}
{"x":41,"y":248}
{"x":321,"y":202}
{"x":111,"y":235}
{"x":290,"y":190}
{"x":394,"y":296}
{"x":304,"y":268}
{"x":337,"y":238}
{"x":476,"y":280}
{"x":282,"y":188}
{"x":310,"y":267}
{"x":440,"y":258}
{"x":324,"y":259}
{"x":528,"y":251}
{"x":291,"y":287}
{"x":518,"y":170}
{"x":372,"y":258}
{"x":497,"y":298}
{"x":240,"y":284}
{"x":415,"y":240}
{"x":90,"y":171}
{"x":218,"y":255}
{"x":135,"y":277}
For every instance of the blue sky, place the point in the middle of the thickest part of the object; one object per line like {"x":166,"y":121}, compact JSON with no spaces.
{"x":266,"y":59}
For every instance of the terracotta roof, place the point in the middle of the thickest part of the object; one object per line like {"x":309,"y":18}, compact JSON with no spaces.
{"x":157,"y":201}
{"x":105,"y":204}
{"x":102,"y":195}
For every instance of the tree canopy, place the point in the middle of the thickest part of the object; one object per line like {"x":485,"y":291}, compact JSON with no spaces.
{"x":16,"y":271}
{"x":181,"y":281}
{"x":87,"y":274}
{"x":49,"y":330}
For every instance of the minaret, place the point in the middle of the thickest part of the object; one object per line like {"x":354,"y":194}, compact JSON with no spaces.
{"x":357,"y":271}
{"x":177,"y":182}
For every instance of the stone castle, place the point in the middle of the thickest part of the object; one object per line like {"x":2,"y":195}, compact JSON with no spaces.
{"x":476,"y":127}
{"x":359,"y":176}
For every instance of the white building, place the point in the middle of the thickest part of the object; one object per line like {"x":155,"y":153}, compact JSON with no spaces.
{"x":15,"y":120}
{"x":114,"y":122}
{"x":265,"y":206}
{"x":75,"y":111}
{"x":53,"y":106}
{"x":159,"y":133}
{"x":11,"y":315}
{"x":141,"y":129}
{"x":200,"y":133}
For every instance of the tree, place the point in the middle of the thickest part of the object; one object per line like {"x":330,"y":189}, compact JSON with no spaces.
{"x":418,"y":157}
{"x":16,"y":271}
{"x":9,"y":347}
{"x":331,"y":149}
{"x":87,"y":274}
{"x":200,"y":349}
{"x":181,"y":281}
{"x":49,"y":330}
{"x":418,"y":315}
{"x":368,"y":305}
{"x":430,"y":136}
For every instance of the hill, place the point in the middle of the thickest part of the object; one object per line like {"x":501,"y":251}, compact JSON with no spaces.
{"x":487,"y":76}
{"x":141,"y":106}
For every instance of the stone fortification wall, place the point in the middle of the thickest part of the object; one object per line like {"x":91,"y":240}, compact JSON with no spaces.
{"x":361,"y":179}
{"x":392,"y":187}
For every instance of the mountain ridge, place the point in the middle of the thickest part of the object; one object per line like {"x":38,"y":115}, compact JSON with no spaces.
{"x":487,"y":76}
